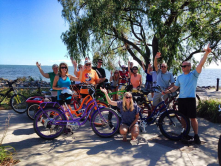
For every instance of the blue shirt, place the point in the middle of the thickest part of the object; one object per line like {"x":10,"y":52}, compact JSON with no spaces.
{"x":127,"y":117}
{"x":187,"y":84}
{"x":63,"y":83}
{"x":148,"y":77}
{"x":164,"y":80}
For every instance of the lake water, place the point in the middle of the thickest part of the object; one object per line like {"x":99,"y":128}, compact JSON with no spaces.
{"x":208,"y":77}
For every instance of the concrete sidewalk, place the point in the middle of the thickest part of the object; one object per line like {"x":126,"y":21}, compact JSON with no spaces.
{"x":85,"y":148}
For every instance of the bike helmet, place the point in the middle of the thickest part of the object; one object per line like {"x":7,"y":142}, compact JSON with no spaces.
{"x":65,"y":94}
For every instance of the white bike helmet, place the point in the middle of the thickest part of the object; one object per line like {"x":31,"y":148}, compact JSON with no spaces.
{"x":67,"y":91}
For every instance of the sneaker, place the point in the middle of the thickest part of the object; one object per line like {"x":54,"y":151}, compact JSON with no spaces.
{"x":134,"y":142}
{"x":197,"y":139}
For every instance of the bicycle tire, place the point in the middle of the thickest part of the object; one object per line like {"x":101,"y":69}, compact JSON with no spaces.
{"x":171,"y":127}
{"x":103,"y":129}
{"x":32,"y":110}
{"x":41,"y":122}
{"x":18,"y":103}
{"x":219,"y":150}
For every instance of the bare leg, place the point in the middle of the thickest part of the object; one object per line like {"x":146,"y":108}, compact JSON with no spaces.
{"x":194,"y":124}
{"x":134,"y":132}
{"x":124,"y":131}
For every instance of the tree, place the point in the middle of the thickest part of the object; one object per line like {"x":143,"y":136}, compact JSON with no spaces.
{"x":115,"y":28}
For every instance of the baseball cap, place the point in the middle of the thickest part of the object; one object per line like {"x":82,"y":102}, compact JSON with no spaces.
{"x":123,"y":66}
{"x":87,"y":61}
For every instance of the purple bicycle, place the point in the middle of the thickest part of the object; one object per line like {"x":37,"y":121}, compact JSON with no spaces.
{"x":51,"y":119}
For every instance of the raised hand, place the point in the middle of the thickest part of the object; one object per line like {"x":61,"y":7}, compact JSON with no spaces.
{"x":208,"y":49}
{"x":103,"y":90}
{"x":74,"y":63}
{"x":38,"y":64}
{"x":158,"y":55}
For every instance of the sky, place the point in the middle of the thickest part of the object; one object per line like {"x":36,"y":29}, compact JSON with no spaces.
{"x":30,"y":31}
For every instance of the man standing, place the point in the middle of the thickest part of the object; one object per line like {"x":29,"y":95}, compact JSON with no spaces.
{"x":187,"y":83}
{"x":50,"y":75}
{"x":164,"y":79}
{"x":101,"y":72}
{"x":136,"y":78}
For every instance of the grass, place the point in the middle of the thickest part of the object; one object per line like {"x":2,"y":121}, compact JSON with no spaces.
{"x":209,"y":110}
{"x":6,"y":152}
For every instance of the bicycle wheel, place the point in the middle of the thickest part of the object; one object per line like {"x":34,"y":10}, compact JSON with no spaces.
{"x":18,"y":103}
{"x":105,"y":122}
{"x":32,"y":110}
{"x":45,"y":124}
{"x":219,"y":150}
{"x":174,"y":125}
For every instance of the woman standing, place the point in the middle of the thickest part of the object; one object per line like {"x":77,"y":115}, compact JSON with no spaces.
{"x":116,"y":79}
{"x":129,"y":115}
{"x":63,"y":81}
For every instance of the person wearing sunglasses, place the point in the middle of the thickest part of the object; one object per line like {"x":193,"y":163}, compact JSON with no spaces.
{"x":63,"y":81}
{"x":50,"y":75}
{"x":135,"y":77}
{"x":115,"y":81}
{"x":187,"y":83}
{"x":101,"y":73}
{"x":89,"y":75}
{"x":165,"y":80}
{"x":129,"y":115}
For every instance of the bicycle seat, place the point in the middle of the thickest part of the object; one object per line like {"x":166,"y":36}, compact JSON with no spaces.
{"x":64,"y":96}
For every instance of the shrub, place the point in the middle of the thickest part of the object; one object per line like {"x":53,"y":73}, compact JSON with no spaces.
{"x":209,"y":110}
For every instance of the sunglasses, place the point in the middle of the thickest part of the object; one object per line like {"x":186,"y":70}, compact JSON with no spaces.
{"x":100,"y":62}
{"x":135,"y":69}
{"x":63,"y":67}
{"x":184,"y":66}
{"x":128,"y":97}
{"x":163,"y":66}
{"x":88,"y":64}
{"x":80,"y":67}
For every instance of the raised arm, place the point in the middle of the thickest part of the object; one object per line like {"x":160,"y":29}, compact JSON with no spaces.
{"x":143,"y":66}
{"x":148,"y":69}
{"x":119,"y":64}
{"x":75,"y":67}
{"x":46,"y":75}
{"x":130,"y":73}
{"x":156,"y":59}
{"x":111,"y":102}
{"x":111,"y":77}
{"x":203,"y":60}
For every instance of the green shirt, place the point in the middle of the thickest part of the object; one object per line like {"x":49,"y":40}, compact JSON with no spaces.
{"x":51,"y":75}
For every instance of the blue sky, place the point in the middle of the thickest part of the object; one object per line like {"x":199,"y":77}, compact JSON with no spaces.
{"x":30,"y":31}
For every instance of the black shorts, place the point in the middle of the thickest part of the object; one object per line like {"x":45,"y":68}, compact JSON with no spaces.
{"x":61,"y":102}
{"x":187,"y":106}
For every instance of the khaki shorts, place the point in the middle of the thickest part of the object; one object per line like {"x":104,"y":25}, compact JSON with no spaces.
{"x":157,"y":98}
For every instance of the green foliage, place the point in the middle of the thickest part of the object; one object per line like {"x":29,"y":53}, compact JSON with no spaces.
{"x":178,"y":29}
{"x":208,"y":109}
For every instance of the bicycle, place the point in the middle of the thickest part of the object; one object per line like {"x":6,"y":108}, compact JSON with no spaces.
{"x":50,"y":122}
{"x":172,"y":124}
{"x":17,"y":101}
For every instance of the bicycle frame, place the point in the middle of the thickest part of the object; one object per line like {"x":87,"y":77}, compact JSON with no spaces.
{"x":11,"y":88}
{"x":72,"y":120}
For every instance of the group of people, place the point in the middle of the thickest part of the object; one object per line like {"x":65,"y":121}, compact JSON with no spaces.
{"x":186,"y":82}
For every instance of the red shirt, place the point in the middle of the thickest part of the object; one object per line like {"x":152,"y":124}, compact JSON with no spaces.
{"x":124,"y":76}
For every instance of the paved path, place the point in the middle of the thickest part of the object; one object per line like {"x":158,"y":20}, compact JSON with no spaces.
{"x":85,"y":148}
